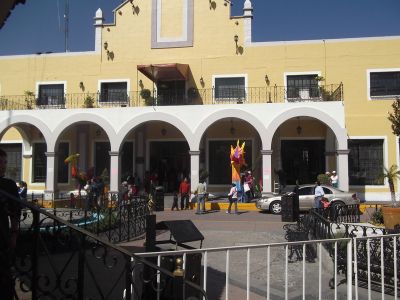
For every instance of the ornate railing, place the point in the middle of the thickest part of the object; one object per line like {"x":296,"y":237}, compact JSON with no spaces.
{"x":245,"y":95}
{"x":116,"y":221}
{"x":375,"y":254}
{"x":55,"y":259}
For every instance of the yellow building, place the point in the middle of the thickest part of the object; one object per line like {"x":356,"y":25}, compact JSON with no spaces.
{"x":172,"y":84}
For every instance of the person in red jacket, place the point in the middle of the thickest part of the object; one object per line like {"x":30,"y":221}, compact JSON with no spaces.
{"x":184,"y":191}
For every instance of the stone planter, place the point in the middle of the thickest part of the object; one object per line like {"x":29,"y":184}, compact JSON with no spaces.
{"x":391,"y":216}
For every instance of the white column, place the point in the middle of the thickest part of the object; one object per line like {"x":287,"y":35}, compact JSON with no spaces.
{"x":343,"y":168}
{"x":50,"y":175}
{"x":194,"y":169}
{"x":98,"y":24}
{"x":248,"y":16}
{"x":266,"y":170}
{"x":114,"y":171}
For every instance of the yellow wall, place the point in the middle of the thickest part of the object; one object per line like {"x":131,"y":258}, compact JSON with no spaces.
{"x":214,"y":52}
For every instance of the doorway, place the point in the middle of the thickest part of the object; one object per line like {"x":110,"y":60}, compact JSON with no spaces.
{"x":302,"y":160}
{"x":170,"y":92}
{"x":171,"y":162}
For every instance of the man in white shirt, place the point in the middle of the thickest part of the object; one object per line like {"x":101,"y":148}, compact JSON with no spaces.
{"x":318,"y":194}
{"x":334,"y":179}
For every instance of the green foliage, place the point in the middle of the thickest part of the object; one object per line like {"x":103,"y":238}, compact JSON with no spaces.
{"x":88,"y":102}
{"x":377,"y":217}
{"x":145,"y":94}
{"x":394,"y":117}
{"x":29,"y":99}
{"x":392,"y":174}
{"x":324,"y":179}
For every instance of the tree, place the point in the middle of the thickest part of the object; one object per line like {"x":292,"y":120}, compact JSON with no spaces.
{"x":391,"y":174}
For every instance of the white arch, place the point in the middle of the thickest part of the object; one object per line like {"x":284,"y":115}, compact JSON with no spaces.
{"x":340,"y":132}
{"x":82,"y":117}
{"x":228,"y":113}
{"x":153,"y":116}
{"x":28,"y":119}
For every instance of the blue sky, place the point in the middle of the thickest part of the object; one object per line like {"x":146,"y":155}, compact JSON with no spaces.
{"x":38,"y":26}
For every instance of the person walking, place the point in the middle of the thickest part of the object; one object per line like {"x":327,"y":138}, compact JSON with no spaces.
{"x":334,"y":179}
{"x":175,"y":201}
{"x":23,"y":190}
{"x":233,"y":198}
{"x":184,"y":190}
{"x":318,"y":194}
{"x":201,"y":194}
{"x":9,"y":221}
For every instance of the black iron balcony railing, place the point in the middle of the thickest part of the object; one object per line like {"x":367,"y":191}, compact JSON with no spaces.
{"x":246,"y":95}
{"x":55,"y":259}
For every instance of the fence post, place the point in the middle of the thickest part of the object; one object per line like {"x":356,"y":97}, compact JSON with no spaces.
{"x":179,"y":289}
{"x":349,"y":270}
{"x":35,"y":254}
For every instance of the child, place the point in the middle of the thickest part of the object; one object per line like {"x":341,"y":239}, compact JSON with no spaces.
{"x":325,"y":203}
{"x":175,"y":203}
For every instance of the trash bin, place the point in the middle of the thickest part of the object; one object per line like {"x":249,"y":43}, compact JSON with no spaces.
{"x":158,"y":198}
{"x":290,"y":207}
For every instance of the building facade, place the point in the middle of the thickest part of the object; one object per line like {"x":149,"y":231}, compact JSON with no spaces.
{"x":172,"y":84}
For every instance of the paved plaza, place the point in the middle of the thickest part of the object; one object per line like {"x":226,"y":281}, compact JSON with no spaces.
{"x":249,"y":228}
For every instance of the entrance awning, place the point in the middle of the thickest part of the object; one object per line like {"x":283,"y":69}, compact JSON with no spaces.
{"x":164,"y":72}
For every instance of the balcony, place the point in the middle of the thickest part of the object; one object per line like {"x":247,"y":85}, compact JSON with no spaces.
{"x":192,"y":96}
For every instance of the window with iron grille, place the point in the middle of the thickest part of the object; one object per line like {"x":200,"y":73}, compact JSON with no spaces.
{"x":302,"y":86}
{"x":365,"y":162}
{"x":39,"y":162}
{"x":62,"y":171}
{"x":112,"y":92}
{"x":229,"y":88}
{"x":384,"y":84}
{"x":51,"y":94}
{"x":14,"y":160}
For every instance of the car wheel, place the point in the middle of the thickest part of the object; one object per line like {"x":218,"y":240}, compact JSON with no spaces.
{"x":275,"y":207}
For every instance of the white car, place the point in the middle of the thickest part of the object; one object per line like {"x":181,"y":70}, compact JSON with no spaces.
{"x":306,"y":198}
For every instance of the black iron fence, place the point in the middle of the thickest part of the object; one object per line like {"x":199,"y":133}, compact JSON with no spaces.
{"x":192,"y":96}
{"x":376,"y":251}
{"x":113,"y":220}
{"x":55,"y":259}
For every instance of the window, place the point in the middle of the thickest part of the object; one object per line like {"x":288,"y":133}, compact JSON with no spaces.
{"x":384,"y":84}
{"x":51,"y":94}
{"x":327,"y":191}
{"x":114,"y":92}
{"x":14,"y":161}
{"x":365,"y":162}
{"x":302,"y":86}
{"x":39,"y":162}
{"x":63,"y":153}
{"x":306,"y":191}
{"x":219,"y":165}
{"x":229,"y":88}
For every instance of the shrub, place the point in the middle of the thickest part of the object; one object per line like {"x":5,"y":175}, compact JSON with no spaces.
{"x":88,"y":102}
{"x":324,"y":179}
{"x":145,"y":94}
{"x":377,"y":217}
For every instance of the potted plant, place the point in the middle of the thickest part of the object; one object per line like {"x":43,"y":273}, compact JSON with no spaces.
{"x":29,"y":99}
{"x":391,"y":215}
{"x":88,"y":102}
{"x":146,"y":95}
